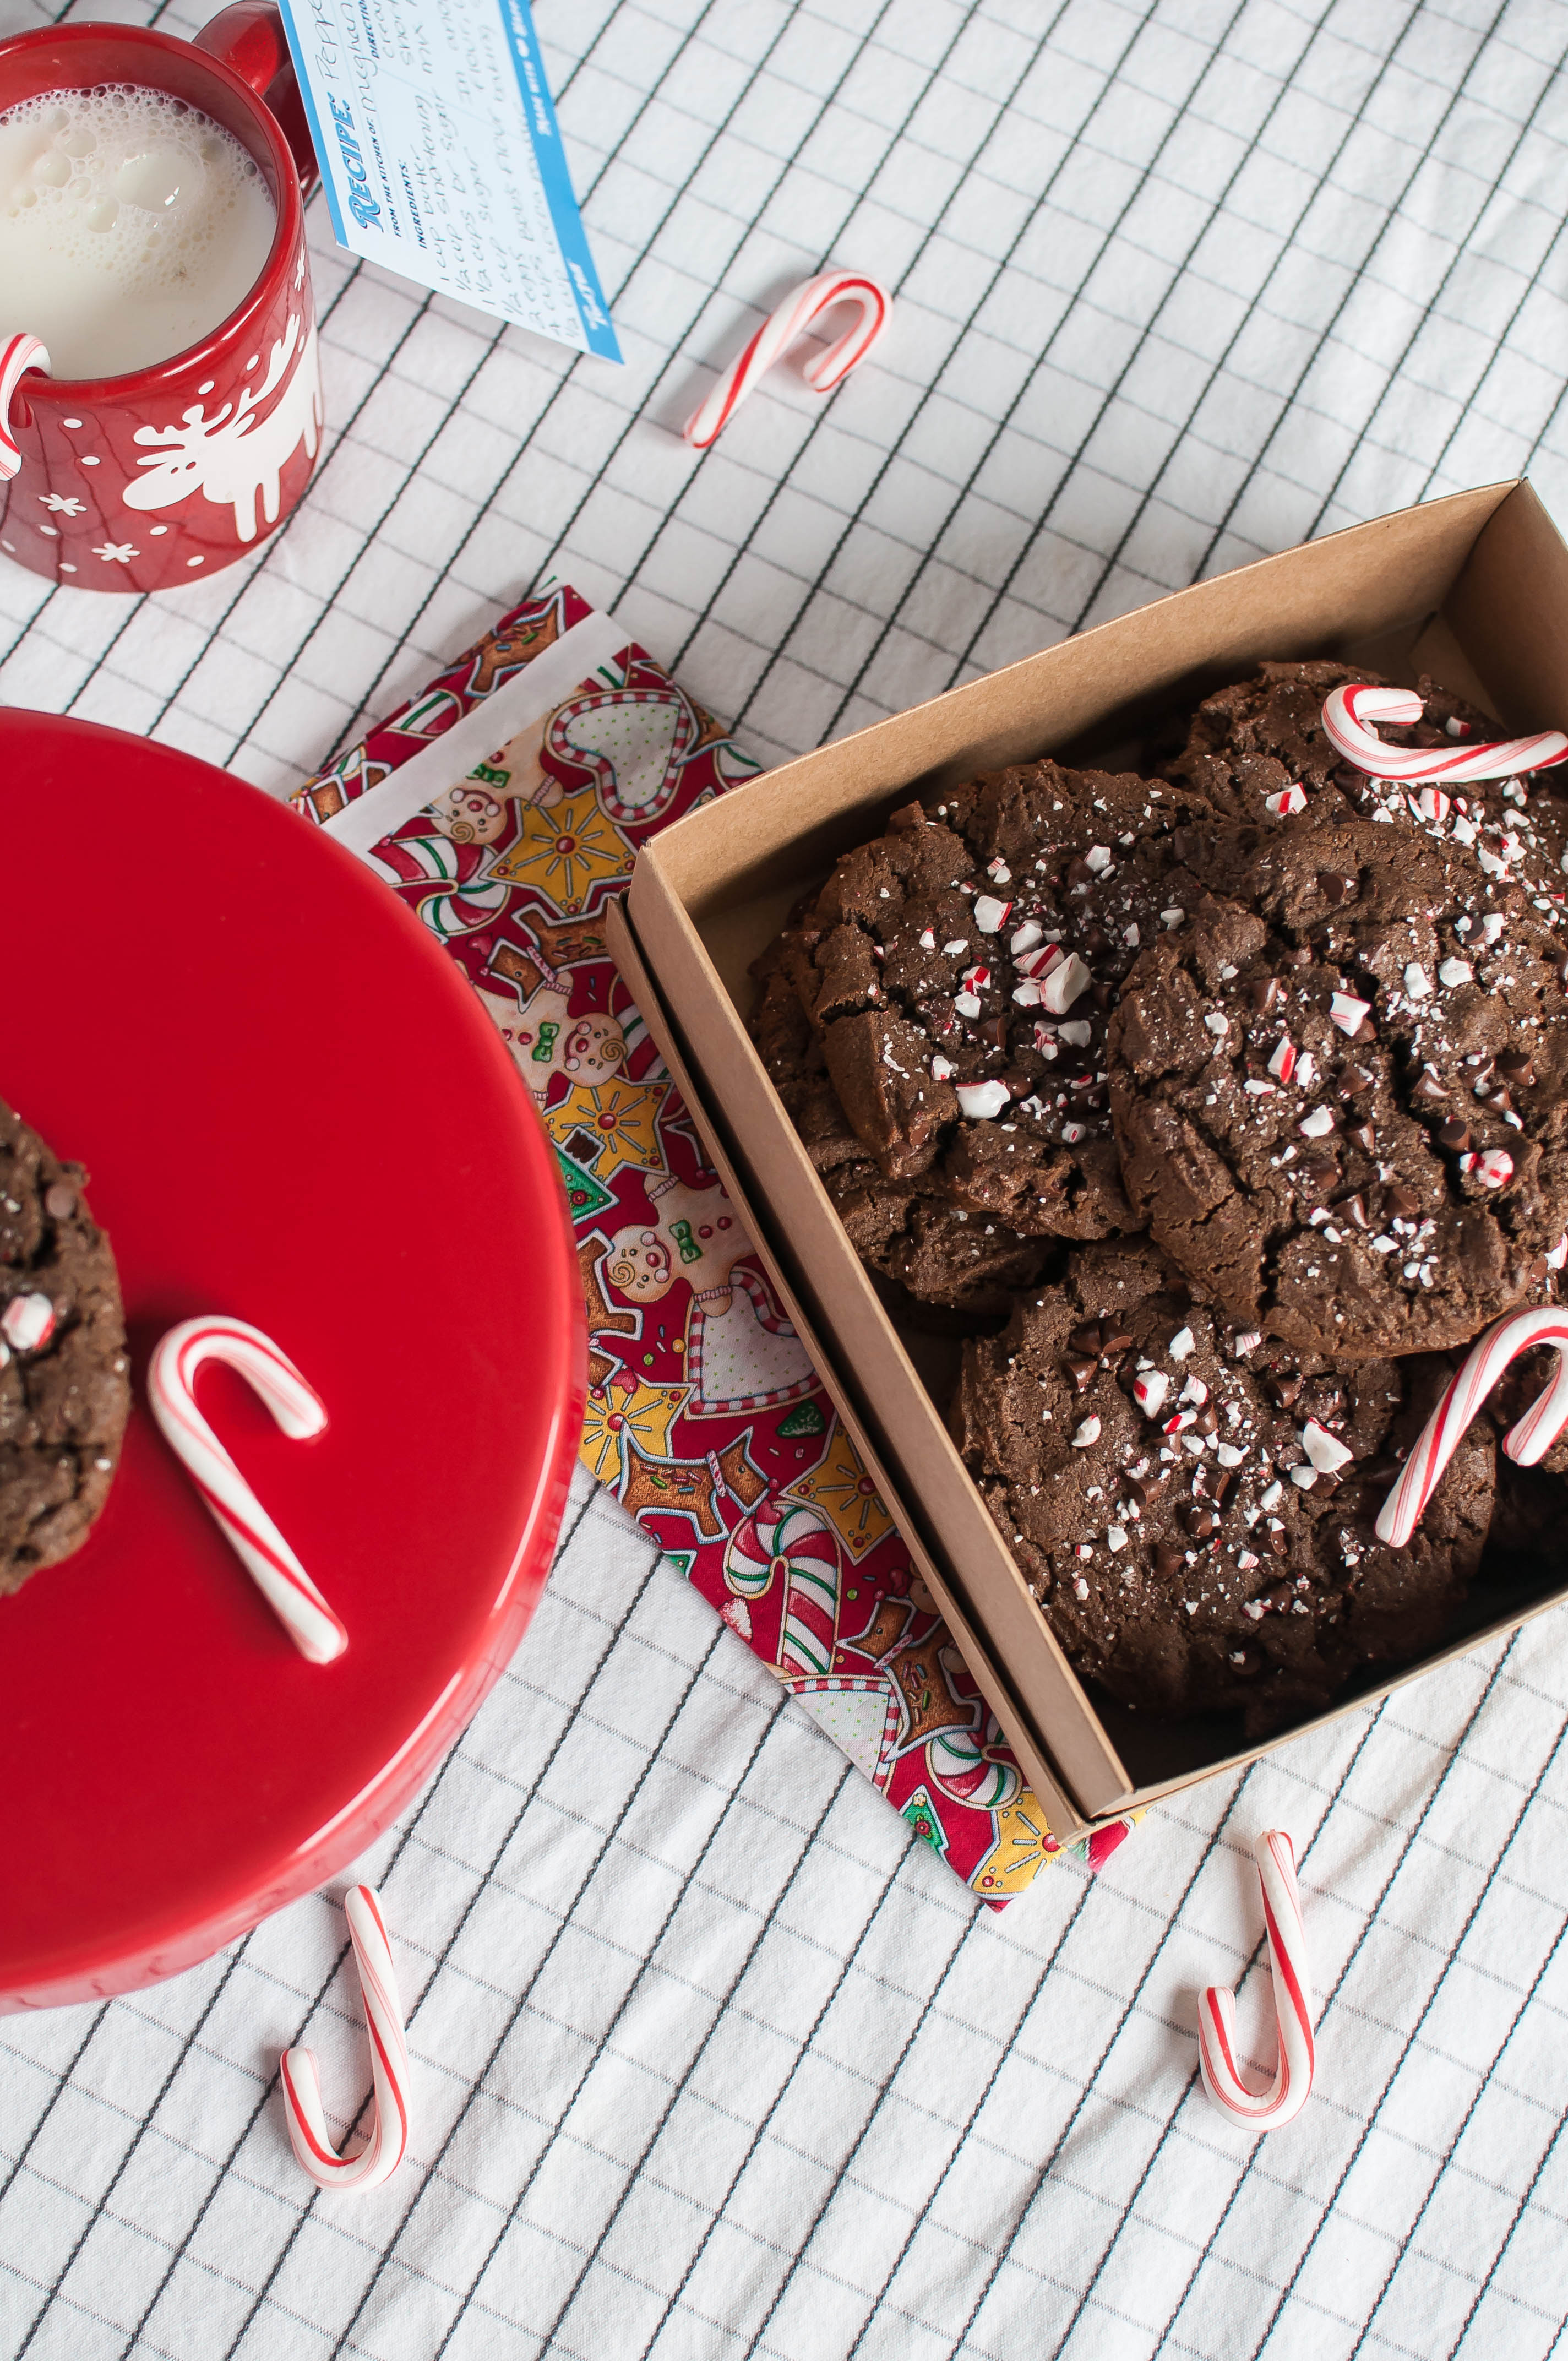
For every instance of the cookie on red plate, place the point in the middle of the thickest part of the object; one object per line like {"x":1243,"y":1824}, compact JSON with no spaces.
{"x":64,"y":1372}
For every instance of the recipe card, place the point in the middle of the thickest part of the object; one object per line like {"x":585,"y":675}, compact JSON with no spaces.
{"x":441,"y":158}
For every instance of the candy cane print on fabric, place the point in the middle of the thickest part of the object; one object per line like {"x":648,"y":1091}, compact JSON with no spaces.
{"x":804,"y":1542}
{"x":238,"y":1514}
{"x":1528,"y":1439}
{"x":383,"y":2152}
{"x":17,"y":355}
{"x":1347,"y":712}
{"x":822,"y":372}
{"x":1266,"y":2111}
{"x":970,"y":1766}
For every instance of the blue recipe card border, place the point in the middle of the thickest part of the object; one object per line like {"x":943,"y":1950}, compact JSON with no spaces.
{"x":425,"y":125}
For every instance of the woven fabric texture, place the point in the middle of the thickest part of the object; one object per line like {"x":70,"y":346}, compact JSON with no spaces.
{"x":712,"y":2057}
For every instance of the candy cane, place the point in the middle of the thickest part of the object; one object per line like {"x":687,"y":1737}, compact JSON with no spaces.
{"x":1528,"y":1439}
{"x":383,"y":2151}
{"x":1266,"y":2111}
{"x":822,"y":372}
{"x":1346,"y":712}
{"x":17,"y":355}
{"x":239,"y":1515}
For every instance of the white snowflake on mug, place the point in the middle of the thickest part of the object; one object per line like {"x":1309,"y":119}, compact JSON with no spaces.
{"x":121,"y":552}
{"x":62,"y":503}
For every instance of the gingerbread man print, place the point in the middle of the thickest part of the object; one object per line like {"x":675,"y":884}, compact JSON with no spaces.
{"x":740,"y":1352}
{"x":547,"y":1040}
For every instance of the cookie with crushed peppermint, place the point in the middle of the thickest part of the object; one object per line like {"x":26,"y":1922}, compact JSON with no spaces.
{"x":1341,"y":1089}
{"x":1194,"y":1507}
{"x":941,"y":1004}
{"x":65,"y":1388}
{"x":934,"y":1252}
{"x":1258,"y":750}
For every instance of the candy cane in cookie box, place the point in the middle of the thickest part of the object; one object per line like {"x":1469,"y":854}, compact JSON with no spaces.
{"x":1527,"y":1441}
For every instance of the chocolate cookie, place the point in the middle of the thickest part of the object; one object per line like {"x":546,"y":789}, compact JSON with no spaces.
{"x":1250,"y":744}
{"x":941,"y":1004}
{"x":1194,"y":1507}
{"x":933,"y":1251}
{"x":1341,"y":1089}
{"x":64,"y":1373}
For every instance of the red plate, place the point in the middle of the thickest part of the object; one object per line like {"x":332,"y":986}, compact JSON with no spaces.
{"x":292,"y":1109}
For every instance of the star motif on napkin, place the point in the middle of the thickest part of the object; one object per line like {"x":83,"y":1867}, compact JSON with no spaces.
{"x":841,"y":1487}
{"x":62,"y":503}
{"x":621,"y":1116}
{"x":566,"y":850}
{"x":118,"y":552}
{"x":624,"y":1414}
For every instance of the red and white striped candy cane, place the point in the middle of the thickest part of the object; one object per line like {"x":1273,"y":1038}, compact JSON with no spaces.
{"x":1347,"y":712}
{"x":17,"y":355}
{"x":1266,"y":2111}
{"x":822,"y":372}
{"x":238,"y":1514}
{"x":1528,"y":1439}
{"x":383,"y":2152}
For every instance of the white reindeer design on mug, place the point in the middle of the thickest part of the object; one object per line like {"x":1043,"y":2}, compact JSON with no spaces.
{"x":232,"y":458}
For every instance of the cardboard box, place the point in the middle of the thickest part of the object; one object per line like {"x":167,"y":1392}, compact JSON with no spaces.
{"x":1473,"y":589}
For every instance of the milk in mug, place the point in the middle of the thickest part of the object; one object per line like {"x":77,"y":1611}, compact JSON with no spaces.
{"x":131,"y":226}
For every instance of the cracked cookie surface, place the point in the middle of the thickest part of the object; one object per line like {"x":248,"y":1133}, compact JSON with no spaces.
{"x":1250,"y":743}
{"x":1340,"y":1091}
{"x":1194,"y":1507}
{"x":941,"y":1006}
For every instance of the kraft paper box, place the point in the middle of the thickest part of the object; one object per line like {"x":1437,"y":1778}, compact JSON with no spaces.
{"x":1473,"y":589}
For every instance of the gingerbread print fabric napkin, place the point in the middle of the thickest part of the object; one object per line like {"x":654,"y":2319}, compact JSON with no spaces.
{"x":505,"y":806}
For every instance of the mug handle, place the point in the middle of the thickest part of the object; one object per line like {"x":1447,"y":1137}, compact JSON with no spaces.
{"x":249,"y":39}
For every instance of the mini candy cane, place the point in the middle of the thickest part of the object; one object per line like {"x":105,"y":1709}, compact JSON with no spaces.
{"x":17,"y":355}
{"x":383,"y":2151}
{"x":1528,"y":1439}
{"x":822,"y":372}
{"x":239,"y":1515}
{"x":1266,"y":2111}
{"x":1346,"y":712}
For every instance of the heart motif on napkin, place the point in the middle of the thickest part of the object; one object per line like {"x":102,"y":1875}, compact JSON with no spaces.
{"x":635,"y":743}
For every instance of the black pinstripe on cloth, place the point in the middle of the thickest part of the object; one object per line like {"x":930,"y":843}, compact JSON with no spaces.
{"x":711,"y":2061}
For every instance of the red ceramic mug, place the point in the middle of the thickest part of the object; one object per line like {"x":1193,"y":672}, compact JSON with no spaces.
{"x":158,"y":476}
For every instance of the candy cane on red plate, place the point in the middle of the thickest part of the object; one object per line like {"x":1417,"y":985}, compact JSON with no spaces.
{"x":1266,"y":2111}
{"x":1528,"y":1439}
{"x":1347,"y":712}
{"x":239,"y":1515}
{"x":822,"y":372}
{"x":383,"y":2152}
{"x":17,"y":355}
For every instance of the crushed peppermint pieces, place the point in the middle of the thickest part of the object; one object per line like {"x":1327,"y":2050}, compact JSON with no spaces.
{"x":982,"y":1102}
{"x":28,"y":1321}
{"x":1325,"y":1451}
